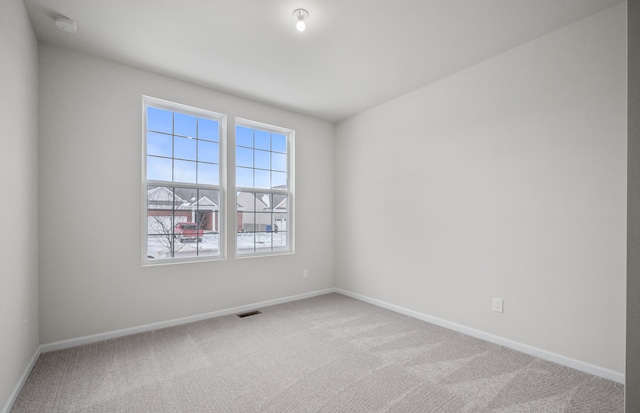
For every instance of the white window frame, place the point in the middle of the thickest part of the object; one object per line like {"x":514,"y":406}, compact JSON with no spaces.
{"x":290,"y":191}
{"x":148,"y":101}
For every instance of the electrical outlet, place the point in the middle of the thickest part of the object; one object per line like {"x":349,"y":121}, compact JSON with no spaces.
{"x":305,"y":273}
{"x":498,"y":305}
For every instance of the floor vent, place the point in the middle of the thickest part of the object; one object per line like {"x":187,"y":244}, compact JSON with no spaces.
{"x":250,"y":313}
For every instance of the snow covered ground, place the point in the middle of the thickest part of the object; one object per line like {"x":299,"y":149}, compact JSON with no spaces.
{"x":158,"y":248}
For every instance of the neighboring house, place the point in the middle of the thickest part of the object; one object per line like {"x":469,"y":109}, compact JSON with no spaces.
{"x":261,"y":212}
{"x":257,"y":212}
{"x":205,"y":212}
{"x":166,"y":208}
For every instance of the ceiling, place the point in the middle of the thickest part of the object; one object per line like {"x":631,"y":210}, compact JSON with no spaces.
{"x":355,"y":54}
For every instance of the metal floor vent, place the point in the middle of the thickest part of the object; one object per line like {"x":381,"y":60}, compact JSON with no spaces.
{"x":250,"y":313}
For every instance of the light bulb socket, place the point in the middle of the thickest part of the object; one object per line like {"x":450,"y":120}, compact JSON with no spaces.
{"x":300,"y":15}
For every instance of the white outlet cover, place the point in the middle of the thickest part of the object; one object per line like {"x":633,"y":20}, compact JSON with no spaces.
{"x":498,"y":304}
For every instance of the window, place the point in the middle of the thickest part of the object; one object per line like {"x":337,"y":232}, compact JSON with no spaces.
{"x":183,"y":189}
{"x":264,"y":189}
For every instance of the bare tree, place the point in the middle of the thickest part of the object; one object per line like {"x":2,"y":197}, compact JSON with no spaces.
{"x":167,"y":206}
{"x":162,"y":227}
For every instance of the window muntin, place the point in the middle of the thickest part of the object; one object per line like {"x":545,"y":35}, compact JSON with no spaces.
{"x":263,"y":189}
{"x":182,"y":222}
{"x":182,"y":147}
{"x":182,"y":178}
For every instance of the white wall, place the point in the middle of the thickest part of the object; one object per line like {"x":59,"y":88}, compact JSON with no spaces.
{"x":18,"y":209}
{"x":92,"y":280}
{"x":504,"y":180}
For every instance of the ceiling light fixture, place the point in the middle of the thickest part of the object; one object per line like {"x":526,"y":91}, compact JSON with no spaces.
{"x":300,"y":15}
{"x":66,"y":24}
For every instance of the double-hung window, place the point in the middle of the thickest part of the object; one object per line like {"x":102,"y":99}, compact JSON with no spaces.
{"x":183,"y":182}
{"x":264,"y":188}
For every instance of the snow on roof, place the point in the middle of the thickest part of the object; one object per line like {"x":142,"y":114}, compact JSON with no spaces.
{"x":164,"y":197}
{"x":163,"y":194}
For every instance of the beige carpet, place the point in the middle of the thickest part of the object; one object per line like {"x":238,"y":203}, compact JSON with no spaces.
{"x":324,"y":354}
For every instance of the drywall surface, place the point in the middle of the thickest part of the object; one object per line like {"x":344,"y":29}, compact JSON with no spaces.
{"x":632,"y":374}
{"x":92,"y":278}
{"x":18,"y":172}
{"x":504,"y":180}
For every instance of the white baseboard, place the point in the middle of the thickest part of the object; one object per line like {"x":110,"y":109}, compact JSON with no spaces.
{"x":74,"y":342}
{"x":524,"y":348}
{"x":23,"y":378}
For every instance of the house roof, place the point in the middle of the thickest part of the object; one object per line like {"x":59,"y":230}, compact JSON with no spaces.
{"x":261,"y":201}
{"x":163,"y":197}
{"x":162,"y":194}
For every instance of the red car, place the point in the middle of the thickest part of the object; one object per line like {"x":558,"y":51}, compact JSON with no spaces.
{"x":187,"y":231}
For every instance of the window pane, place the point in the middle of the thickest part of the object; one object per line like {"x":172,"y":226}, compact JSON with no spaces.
{"x":186,"y":231}
{"x":279,"y":180}
{"x":279,"y":237}
{"x":184,"y":171}
{"x":261,"y":159}
{"x":160,"y":222}
{"x":280,"y":203}
{"x":262,"y":221}
{"x":280,"y":220}
{"x":262,"y":140}
{"x":184,"y":197}
{"x":207,"y":213}
{"x":158,"y":169}
{"x":279,"y":143}
{"x":263,"y":201}
{"x":244,"y":157}
{"x":160,"y":197}
{"x":244,"y":177}
{"x":246,"y":201}
{"x":159,"y":120}
{"x":263,"y":240}
{"x":184,"y":125}
{"x":208,"y":173}
{"x":184,"y":148}
{"x":209,"y":246}
{"x":262,"y":179}
{"x":159,"y":144}
{"x":208,"y":129}
{"x":159,"y":247}
{"x":246,"y":241}
{"x":208,"y":220}
{"x":208,"y":152}
{"x":248,"y":204}
{"x":278,"y":161}
{"x":244,"y":136}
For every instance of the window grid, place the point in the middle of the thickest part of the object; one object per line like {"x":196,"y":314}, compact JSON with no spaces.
{"x":197,"y":162}
{"x":169,"y":219}
{"x":182,"y":178}
{"x":263,"y":204}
